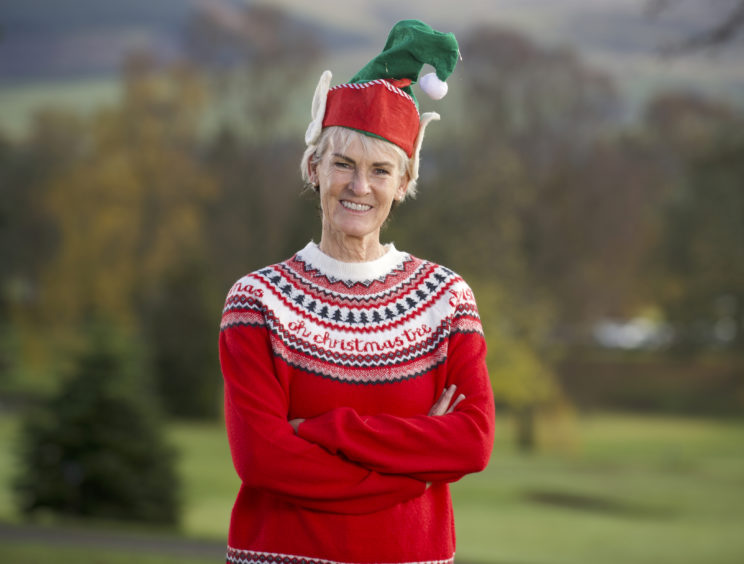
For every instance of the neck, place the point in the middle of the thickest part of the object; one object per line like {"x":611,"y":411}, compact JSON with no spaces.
{"x":351,"y":249}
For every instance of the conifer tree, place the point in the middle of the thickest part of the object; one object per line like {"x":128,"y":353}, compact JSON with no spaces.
{"x":95,"y":449}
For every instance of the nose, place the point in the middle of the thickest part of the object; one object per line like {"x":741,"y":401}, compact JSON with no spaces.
{"x":359,"y":184}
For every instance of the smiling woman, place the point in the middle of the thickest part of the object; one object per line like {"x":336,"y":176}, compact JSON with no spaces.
{"x":358,"y":179}
{"x":355,"y":378}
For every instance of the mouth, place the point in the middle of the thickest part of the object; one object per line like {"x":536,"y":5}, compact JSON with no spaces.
{"x":353,"y":206}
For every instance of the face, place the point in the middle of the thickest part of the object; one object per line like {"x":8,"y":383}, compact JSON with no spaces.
{"x":357,"y":189}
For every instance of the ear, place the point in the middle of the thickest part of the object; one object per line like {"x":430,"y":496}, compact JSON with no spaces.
{"x":312,"y":171}
{"x":400,"y":193}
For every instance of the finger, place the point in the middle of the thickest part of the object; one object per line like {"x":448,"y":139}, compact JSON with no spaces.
{"x":440,"y":407}
{"x":295,"y":423}
{"x":436,"y":409}
{"x":454,"y":403}
{"x":445,"y":399}
{"x":448,"y":394}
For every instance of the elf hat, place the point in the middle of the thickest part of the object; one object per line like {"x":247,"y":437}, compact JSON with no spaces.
{"x":379,"y":101}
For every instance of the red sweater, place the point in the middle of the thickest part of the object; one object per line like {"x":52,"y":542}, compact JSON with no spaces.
{"x":361,"y":351}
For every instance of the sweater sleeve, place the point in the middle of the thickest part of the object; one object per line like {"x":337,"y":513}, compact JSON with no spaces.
{"x":268,"y":455}
{"x":442,"y":448}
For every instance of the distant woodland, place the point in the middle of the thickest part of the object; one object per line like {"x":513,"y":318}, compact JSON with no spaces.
{"x":560,"y":214}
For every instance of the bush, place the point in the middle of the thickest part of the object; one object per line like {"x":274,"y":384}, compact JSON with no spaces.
{"x":95,"y":449}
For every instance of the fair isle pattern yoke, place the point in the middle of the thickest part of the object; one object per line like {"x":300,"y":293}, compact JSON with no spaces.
{"x":388,"y":323}
{"x":235,"y":556}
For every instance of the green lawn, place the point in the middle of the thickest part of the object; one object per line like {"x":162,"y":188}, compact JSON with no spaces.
{"x":24,"y":554}
{"x":634,"y":490}
{"x":620,"y":489}
{"x":209,"y":477}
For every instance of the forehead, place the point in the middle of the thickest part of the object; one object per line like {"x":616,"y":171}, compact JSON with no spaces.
{"x":357,"y":145}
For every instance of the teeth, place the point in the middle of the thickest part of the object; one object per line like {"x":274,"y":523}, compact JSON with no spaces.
{"x":355,"y":207}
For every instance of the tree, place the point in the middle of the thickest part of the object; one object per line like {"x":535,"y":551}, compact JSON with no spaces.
{"x":28,"y":242}
{"x":170,"y":178}
{"x":724,"y":29}
{"x":96,"y":448}
{"x":258,"y":61}
{"x":698,"y":262}
{"x":549,"y":201}
{"x":255,"y":56}
{"x":24,"y":232}
{"x":125,"y":199}
{"x":507,"y":184}
{"x":180,"y":326}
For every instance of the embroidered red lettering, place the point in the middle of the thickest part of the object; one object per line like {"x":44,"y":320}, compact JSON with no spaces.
{"x":247,"y":289}
{"x":459,"y":296}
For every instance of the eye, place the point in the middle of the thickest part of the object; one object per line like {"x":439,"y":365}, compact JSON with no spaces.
{"x":342,"y":165}
{"x":382,"y":172}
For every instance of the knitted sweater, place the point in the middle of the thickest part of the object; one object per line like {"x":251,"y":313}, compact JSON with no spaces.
{"x":361,"y":351}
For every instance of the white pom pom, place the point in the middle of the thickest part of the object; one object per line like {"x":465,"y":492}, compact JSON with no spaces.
{"x":435,"y":88}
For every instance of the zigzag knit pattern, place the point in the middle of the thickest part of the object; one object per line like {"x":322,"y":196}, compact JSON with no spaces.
{"x":385,"y":328}
{"x":235,"y":556}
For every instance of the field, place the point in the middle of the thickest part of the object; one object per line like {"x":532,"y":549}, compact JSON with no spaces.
{"x":614,"y":489}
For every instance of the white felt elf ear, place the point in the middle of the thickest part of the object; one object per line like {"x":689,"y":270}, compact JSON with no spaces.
{"x":425,"y":120}
{"x":318,"y":108}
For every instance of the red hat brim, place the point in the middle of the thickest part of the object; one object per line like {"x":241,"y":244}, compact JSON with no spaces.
{"x":376,"y":107}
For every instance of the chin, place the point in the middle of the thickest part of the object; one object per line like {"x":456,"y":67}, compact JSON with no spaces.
{"x":353,"y":229}
{"x":356,"y":233}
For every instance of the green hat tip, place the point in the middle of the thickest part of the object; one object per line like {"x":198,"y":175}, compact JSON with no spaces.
{"x":410,"y":45}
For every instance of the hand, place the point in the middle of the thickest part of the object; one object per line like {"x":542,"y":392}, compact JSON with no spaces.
{"x":295,"y":423}
{"x":443,"y":407}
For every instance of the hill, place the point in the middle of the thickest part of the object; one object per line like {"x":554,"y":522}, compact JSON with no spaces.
{"x":70,"y":51}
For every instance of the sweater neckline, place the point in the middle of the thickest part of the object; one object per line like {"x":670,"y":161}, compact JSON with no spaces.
{"x":352,"y":271}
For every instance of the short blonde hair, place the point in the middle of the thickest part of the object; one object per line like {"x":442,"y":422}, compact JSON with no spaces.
{"x":338,"y":138}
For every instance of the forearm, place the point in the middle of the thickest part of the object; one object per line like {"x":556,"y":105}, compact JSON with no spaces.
{"x":267,"y":454}
{"x":441,"y":448}
{"x":423,"y":447}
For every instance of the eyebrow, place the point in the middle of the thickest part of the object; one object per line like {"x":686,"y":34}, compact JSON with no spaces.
{"x":377,"y":164}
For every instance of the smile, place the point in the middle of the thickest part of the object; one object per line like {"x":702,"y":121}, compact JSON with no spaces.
{"x":354,"y":206}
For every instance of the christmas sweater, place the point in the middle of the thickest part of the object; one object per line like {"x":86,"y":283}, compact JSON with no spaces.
{"x":361,"y":351}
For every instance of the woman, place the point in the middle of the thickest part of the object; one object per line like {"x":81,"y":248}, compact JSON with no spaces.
{"x":355,"y":377}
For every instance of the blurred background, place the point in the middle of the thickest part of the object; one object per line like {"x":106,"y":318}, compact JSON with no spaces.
{"x":587,"y":179}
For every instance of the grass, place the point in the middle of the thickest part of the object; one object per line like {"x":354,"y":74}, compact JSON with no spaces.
{"x":210,"y":481}
{"x":633,"y":489}
{"x":613,"y":489}
{"x":23,"y":554}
